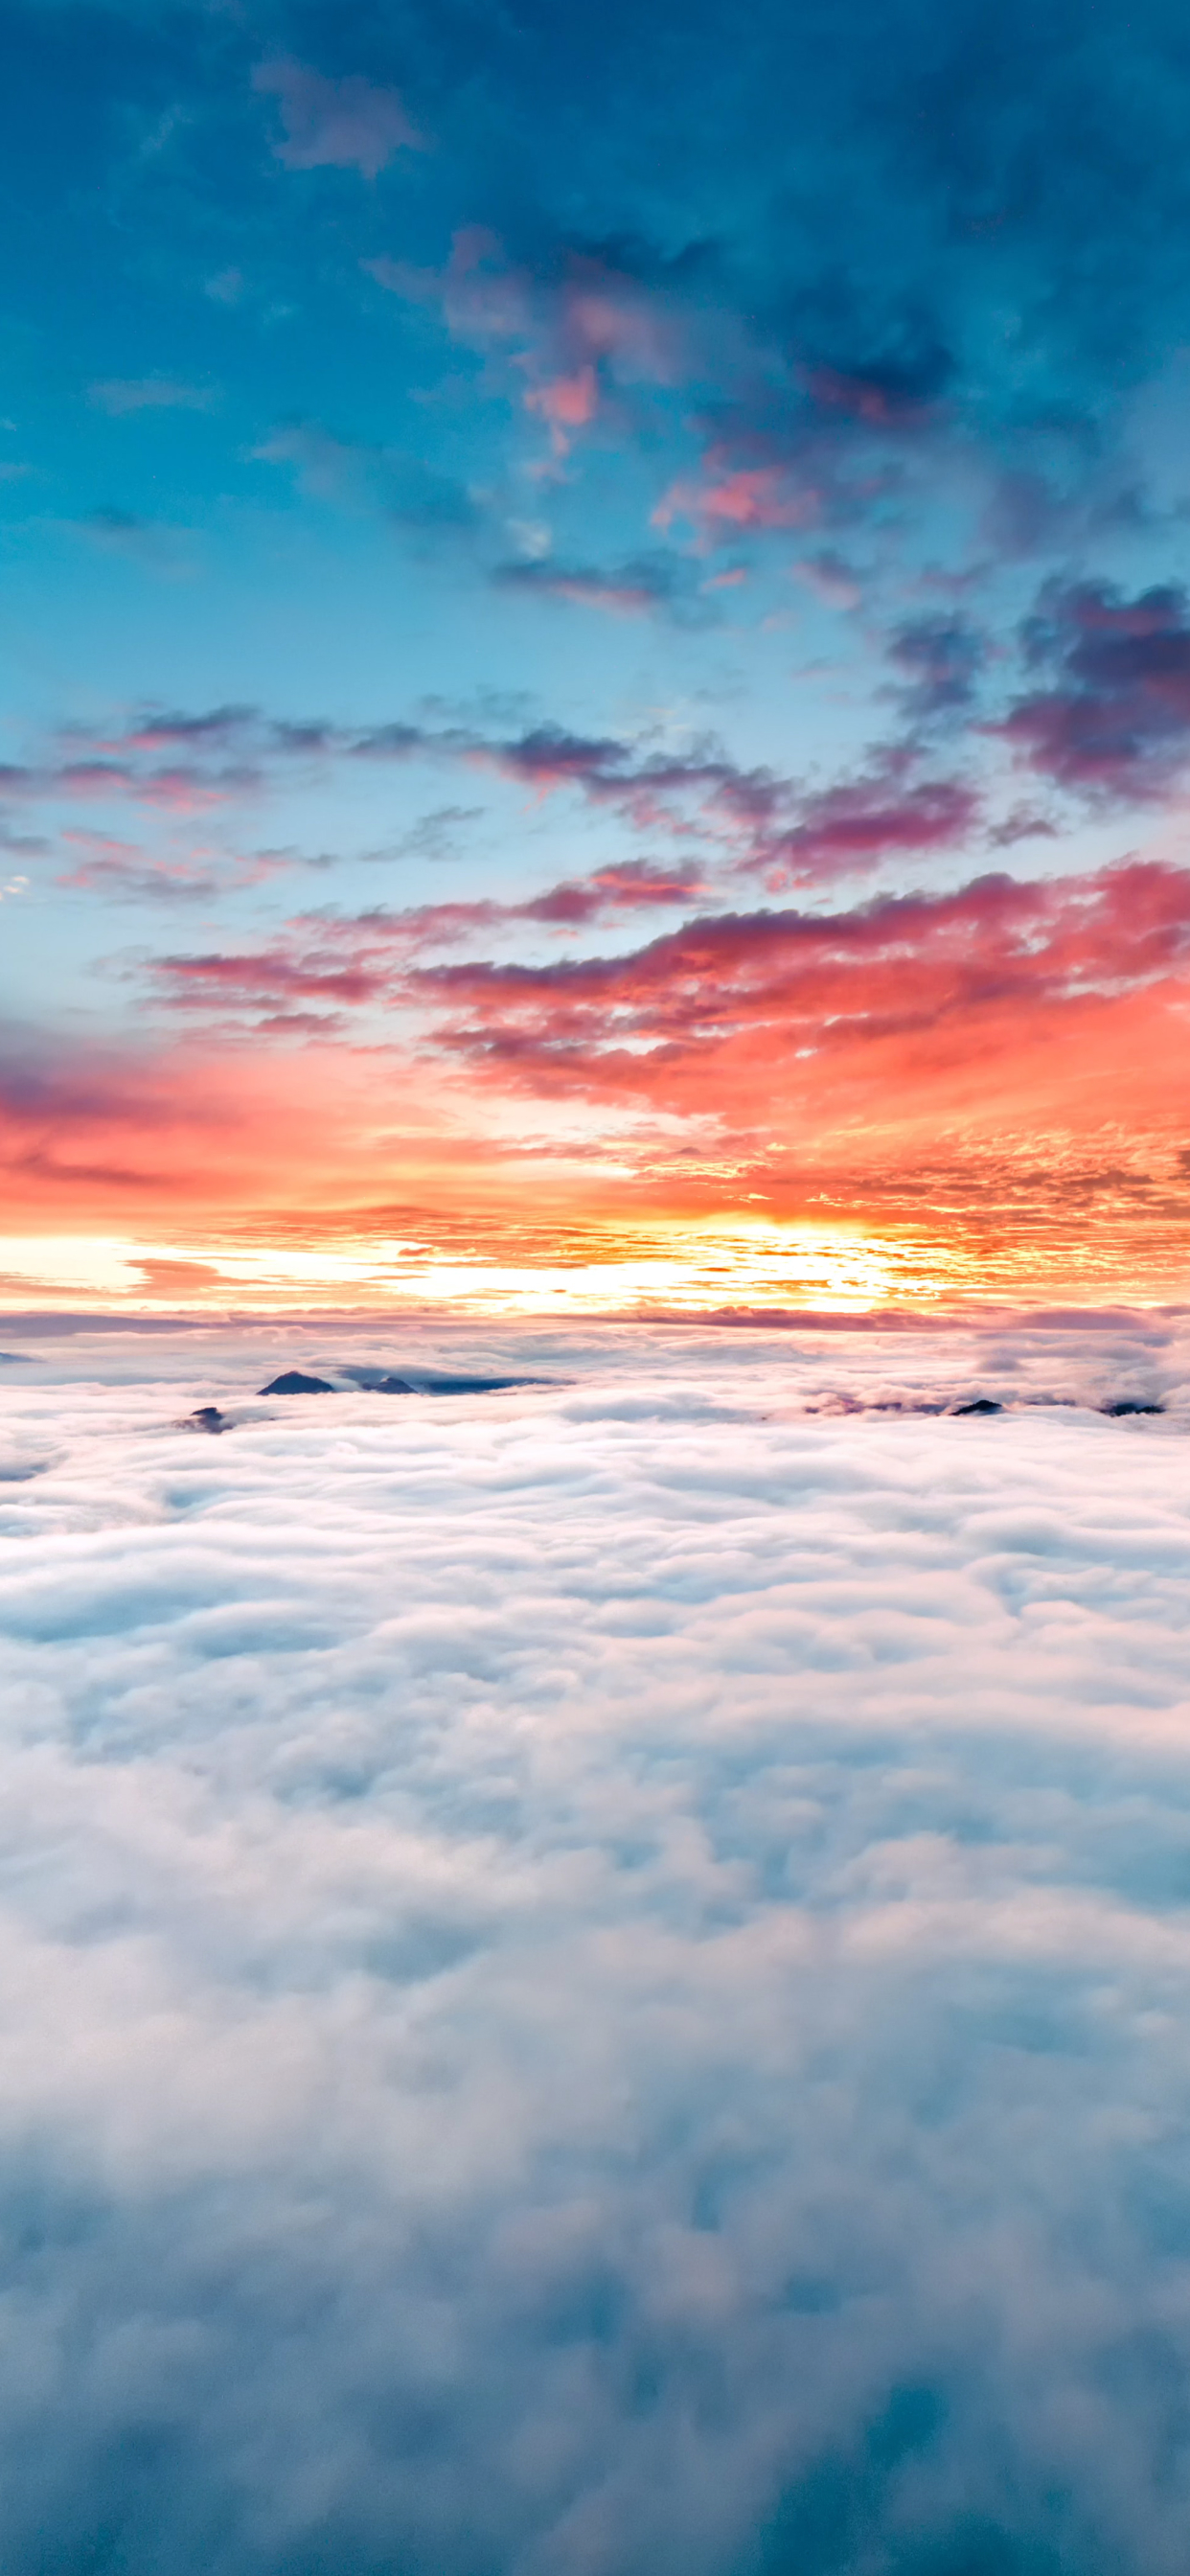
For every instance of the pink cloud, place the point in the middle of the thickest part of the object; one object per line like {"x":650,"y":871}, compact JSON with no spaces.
{"x":580,"y":334}
{"x":364,"y":958}
{"x":872,"y":1033}
{"x":567,"y":403}
{"x":758,"y":496}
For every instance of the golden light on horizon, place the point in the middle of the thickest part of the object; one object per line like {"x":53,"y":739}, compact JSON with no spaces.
{"x":686,"y":1268}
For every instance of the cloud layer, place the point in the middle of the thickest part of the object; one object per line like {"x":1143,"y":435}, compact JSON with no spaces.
{"x":592,"y":1978}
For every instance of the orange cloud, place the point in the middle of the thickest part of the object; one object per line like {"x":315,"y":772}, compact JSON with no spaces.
{"x":1008,"y":1058}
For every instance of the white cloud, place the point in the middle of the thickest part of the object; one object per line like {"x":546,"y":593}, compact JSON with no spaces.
{"x":592,"y":1980}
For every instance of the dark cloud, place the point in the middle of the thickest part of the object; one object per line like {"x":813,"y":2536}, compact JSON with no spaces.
{"x":266,"y":978}
{"x":646,"y":585}
{"x":1112,"y":718}
{"x":217,"y":726}
{"x":941,"y":658}
{"x":751,"y":817}
{"x":899,"y":386}
{"x":851,"y":828}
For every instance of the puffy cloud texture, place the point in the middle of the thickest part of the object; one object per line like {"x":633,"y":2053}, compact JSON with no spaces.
{"x":593,"y":1978}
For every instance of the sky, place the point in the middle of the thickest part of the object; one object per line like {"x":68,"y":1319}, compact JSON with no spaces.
{"x":593,"y":1977}
{"x":595,"y":703}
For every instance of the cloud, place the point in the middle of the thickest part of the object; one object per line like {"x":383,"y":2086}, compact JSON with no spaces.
{"x":1115,"y":723}
{"x":580,"y":322}
{"x":164,"y":1277}
{"x":644,"y":586}
{"x":899,"y":385}
{"x":120,"y":872}
{"x":567,"y":403}
{"x":994,"y":1072}
{"x":152,"y":543}
{"x":754,"y":818}
{"x":182,"y":787}
{"x":906,"y":1014}
{"x":831,"y":579}
{"x":214,"y":727}
{"x":355,"y":476}
{"x":121,"y":395}
{"x":271,"y":978}
{"x":632,"y":885}
{"x":652,"y":2042}
{"x":941,"y":658}
{"x":733,"y":501}
{"x":849,"y":829}
{"x":439,"y":834}
{"x":650,"y":789}
{"x":144,"y":1126}
{"x":361,"y":959}
{"x":349,"y":124}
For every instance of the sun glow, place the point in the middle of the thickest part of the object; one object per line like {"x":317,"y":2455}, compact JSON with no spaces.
{"x":687,"y":1268}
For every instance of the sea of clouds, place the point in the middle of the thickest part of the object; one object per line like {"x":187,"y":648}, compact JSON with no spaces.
{"x":595,"y":1978}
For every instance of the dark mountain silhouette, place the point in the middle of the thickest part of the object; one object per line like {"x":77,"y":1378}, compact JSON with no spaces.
{"x":293,"y":1382}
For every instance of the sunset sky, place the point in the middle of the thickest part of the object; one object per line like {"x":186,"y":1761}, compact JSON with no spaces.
{"x":595,"y":1288}
{"x":596,"y":655}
